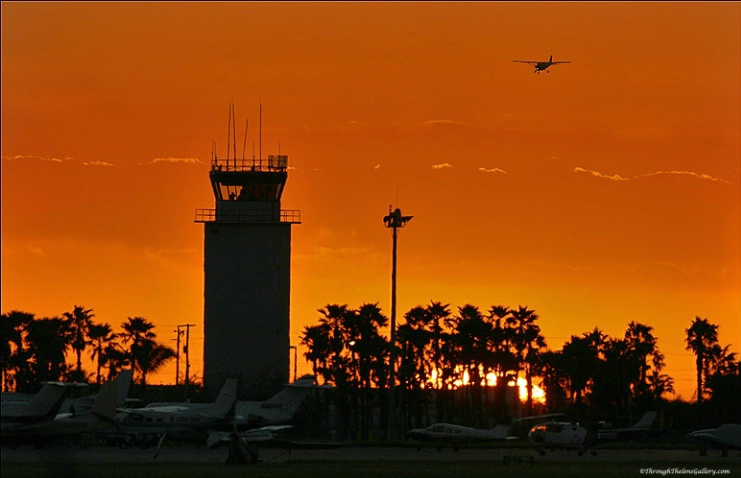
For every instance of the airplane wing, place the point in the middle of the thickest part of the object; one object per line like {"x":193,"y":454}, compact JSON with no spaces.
{"x":526,"y":61}
{"x":559,"y":62}
{"x":262,"y":434}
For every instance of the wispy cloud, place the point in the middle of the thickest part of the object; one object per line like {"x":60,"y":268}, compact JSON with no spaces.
{"x":36,"y":250}
{"x":445,"y":122}
{"x":177,"y":160}
{"x":492,"y":170}
{"x":21,"y":157}
{"x":442,"y":166}
{"x":706,"y":177}
{"x":597,"y":174}
{"x":616,"y":177}
{"x":97,"y":163}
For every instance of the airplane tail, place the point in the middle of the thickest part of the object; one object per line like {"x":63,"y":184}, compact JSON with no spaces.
{"x":646,"y":420}
{"x":224,"y":404}
{"x":282,"y":406}
{"x":124,"y":383}
{"x":49,"y":400}
{"x":550,"y":60}
{"x":106,"y":401}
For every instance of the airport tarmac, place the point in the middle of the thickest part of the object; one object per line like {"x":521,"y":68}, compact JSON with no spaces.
{"x":203,"y":455}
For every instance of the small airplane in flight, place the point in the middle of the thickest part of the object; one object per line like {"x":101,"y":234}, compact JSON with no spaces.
{"x":574,"y":436}
{"x":541,"y":65}
{"x":725,"y":437}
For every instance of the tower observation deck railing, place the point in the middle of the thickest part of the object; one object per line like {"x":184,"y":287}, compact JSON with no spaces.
{"x":292,"y":216}
{"x":276,"y":163}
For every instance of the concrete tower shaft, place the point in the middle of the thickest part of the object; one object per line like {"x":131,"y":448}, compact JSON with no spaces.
{"x":247,"y":275}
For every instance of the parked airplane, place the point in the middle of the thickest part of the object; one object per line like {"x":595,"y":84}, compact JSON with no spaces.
{"x":574,"y":436}
{"x":41,"y":407}
{"x":455,"y":435}
{"x":184,"y":419}
{"x":541,"y":65}
{"x":100,"y":416}
{"x":725,"y":437}
{"x":260,"y":422}
{"x":82,"y":405}
{"x":277,"y":410}
{"x":210,"y":422}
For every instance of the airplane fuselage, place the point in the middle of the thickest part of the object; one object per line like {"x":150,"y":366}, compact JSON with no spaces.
{"x":558,"y":434}
{"x":454,"y":434}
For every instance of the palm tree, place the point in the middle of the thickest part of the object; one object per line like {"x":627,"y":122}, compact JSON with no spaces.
{"x":14,"y":325}
{"x":436,"y":314}
{"x":47,"y":342}
{"x":116,"y":358}
{"x":578,"y":361}
{"x":528,"y":342}
{"x":78,"y":323}
{"x":366,"y":343}
{"x":99,"y":335}
{"x":316,"y":339}
{"x":150,"y":357}
{"x":702,"y":336}
{"x":642,"y":348}
{"x":471,"y":338}
{"x":334,"y":317}
{"x":145,"y":353}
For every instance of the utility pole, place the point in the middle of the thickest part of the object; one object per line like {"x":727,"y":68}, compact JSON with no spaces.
{"x":177,"y":356}
{"x":186,"y":351}
{"x":394,"y":221}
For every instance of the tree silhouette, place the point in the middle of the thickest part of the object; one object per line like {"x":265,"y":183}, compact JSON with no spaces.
{"x":368,"y":350}
{"x":414,"y":369}
{"x":528,"y":343}
{"x":14,"y":326}
{"x":316,"y":339}
{"x":702,"y":337}
{"x":150,"y":357}
{"x":116,"y":358}
{"x":471,"y":334}
{"x":78,"y":322}
{"x":46,"y":343}
{"x":100,"y":336}
{"x":144,"y":353}
{"x":334,"y":318}
{"x":580,"y":357}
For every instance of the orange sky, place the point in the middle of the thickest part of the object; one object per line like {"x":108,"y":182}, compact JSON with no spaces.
{"x":604,"y":192}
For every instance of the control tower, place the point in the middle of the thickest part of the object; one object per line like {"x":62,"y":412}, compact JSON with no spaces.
{"x":247,"y":271}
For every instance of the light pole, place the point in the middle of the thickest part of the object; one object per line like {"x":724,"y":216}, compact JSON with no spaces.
{"x":394,"y":221}
{"x":295,"y":360}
